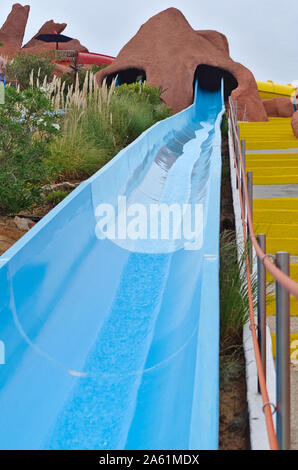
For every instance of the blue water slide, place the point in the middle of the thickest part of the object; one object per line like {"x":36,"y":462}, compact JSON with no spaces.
{"x":112,"y":339}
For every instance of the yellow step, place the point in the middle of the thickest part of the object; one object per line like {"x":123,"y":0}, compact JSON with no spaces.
{"x":293,"y":345}
{"x":293,"y":273}
{"x":276,"y":203}
{"x":275,"y":171}
{"x":270,"y":308}
{"x":277,"y":230}
{"x":264,"y":126}
{"x":281,"y":179}
{"x":268,"y":129}
{"x":275,"y":216}
{"x":278,"y":157}
{"x":270,"y":144}
{"x":272,"y":137}
{"x":273,"y":245}
{"x":269,"y":126}
{"x":275,"y":133}
{"x":279,"y":119}
{"x":271,"y":121}
{"x":256,"y":165}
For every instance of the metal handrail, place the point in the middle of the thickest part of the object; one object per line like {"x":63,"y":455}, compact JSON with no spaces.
{"x":284,"y":287}
{"x":261,"y":374}
{"x":278,"y":275}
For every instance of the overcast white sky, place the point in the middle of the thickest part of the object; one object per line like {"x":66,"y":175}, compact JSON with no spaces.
{"x":263,"y":34}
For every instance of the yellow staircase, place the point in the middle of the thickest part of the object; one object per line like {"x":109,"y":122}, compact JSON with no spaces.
{"x":276,"y":133}
{"x":272,"y":156}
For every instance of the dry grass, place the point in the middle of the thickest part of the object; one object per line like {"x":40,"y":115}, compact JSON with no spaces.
{"x":98,"y":122}
{"x":73,"y":97}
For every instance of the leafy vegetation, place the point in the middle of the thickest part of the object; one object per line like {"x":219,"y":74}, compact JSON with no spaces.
{"x":27,"y":127}
{"x":22,"y":66}
{"x":54,"y":197}
{"x":40,"y":145}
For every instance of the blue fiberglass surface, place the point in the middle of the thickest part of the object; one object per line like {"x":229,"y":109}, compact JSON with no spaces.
{"x":114,"y":345}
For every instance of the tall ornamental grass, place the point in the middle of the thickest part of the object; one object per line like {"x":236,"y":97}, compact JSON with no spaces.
{"x":99,"y":122}
{"x":234,"y":307}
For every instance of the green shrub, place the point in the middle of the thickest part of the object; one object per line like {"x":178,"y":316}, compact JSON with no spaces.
{"x":21,"y":67}
{"x":27,"y":126}
{"x":139,"y":93}
{"x":96,"y":68}
{"x":55,"y":197}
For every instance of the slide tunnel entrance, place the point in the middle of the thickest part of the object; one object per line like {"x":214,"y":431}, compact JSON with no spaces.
{"x":127,"y":76}
{"x":209,"y":78}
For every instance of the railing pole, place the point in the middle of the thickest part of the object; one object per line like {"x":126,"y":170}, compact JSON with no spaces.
{"x":231,"y":118}
{"x":262,"y":304}
{"x":232,"y":106}
{"x":243,"y":174}
{"x":237,"y":153}
{"x":250,"y":196}
{"x":283,"y":381}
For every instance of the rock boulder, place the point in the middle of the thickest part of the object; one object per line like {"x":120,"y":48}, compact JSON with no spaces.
{"x":295,"y":124}
{"x":47,"y":28}
{"x":13,"y":30}
{"x":279,"y":107}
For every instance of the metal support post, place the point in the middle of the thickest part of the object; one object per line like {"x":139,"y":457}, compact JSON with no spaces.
{"x":283,"y":417}
{"x":262,"y":304}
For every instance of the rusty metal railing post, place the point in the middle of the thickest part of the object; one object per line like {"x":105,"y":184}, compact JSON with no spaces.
{"x":237,"y":152}
{"x":283,"y":379}
{"x":262,"y":304}
{"x":250,"y":197}
{"x":243,"y":173}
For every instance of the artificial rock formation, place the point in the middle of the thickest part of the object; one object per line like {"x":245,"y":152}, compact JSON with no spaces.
{"x":47,"y":28}
{"x":279,"y":107}
{"x":169,"y":53}
{"x":13,"y":30}
{"x":295,"y":124}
